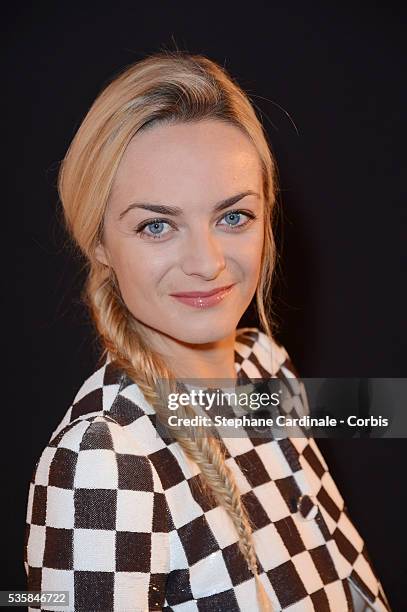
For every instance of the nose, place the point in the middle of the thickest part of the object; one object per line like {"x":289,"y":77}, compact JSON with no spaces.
{"x":202,"y":255}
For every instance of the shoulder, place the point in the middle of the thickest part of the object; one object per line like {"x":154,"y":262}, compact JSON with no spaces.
{"x":95,"y":453}
{"x":95,"y":500}
{"x":271,"y":354}
{"x":92,"y":441}
{"x":94,"y":397}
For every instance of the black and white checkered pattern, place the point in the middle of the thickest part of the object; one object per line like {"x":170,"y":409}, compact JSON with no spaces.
{"x":116,"y":518}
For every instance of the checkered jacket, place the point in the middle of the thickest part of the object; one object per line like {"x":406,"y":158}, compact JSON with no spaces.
{"x":115,"y":518}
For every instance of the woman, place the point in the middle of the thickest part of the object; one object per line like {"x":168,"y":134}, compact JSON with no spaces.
{"x":169,"y":191}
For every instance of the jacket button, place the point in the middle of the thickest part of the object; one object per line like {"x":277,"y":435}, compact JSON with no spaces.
{"x":306,"y":507}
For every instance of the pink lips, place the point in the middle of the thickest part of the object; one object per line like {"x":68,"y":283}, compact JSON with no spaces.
{"x":203,"y":299}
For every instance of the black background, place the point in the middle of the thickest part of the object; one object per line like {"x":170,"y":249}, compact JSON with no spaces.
{"x":328,"y":83}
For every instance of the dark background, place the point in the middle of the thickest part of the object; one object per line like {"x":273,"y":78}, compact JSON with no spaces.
{"x":328,"y":82}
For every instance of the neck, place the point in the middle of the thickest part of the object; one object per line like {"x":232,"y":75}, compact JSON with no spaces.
{"x":212,"y":360}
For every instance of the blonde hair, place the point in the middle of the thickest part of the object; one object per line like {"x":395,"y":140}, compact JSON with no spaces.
{"x":168,"y":86}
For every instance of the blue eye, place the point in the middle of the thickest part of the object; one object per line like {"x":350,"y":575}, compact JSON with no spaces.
{"x":156,"y":225}
{"x":234,"y":216}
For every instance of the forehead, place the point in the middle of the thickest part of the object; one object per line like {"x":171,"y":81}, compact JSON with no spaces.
{"x":188,"y":160}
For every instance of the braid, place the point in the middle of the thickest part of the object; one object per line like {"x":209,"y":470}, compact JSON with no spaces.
{"x":121,"y":339}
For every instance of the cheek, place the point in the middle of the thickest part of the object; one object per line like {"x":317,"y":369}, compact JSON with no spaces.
{"x":137,"y":274}
{"x":250,"y":255}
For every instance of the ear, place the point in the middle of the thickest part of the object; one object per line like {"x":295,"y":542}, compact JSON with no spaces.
{"x":101,"y":254}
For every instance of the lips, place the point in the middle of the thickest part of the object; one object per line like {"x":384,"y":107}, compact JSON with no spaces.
{"x":204,"y":299}
{"x":202,"y":294}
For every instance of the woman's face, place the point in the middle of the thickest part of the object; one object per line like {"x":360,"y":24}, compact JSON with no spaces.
{"x":171,"y":180}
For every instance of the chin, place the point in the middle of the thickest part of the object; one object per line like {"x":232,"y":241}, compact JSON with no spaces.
{"x":194,"y":334}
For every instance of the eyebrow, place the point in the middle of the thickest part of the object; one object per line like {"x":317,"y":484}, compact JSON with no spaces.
{"x":175,"y":210}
